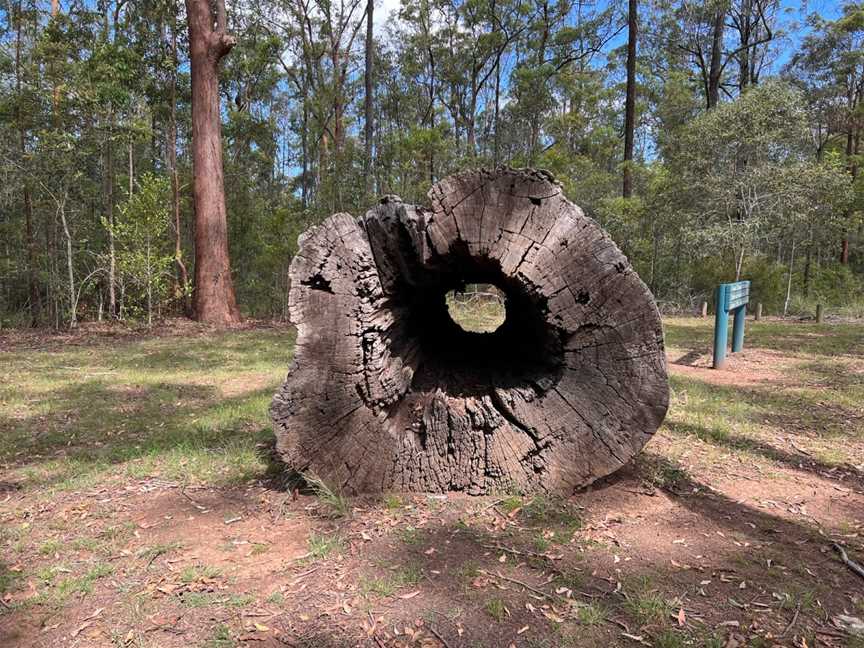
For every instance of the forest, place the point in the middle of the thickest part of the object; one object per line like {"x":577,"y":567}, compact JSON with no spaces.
{"x":713,"y":140}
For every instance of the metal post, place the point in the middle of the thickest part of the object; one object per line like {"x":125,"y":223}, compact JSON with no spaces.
{"x":721,"y":325}
{"x":738,"y":328}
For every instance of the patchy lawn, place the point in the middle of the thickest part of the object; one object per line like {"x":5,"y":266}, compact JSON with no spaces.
{"x":139,"y":507}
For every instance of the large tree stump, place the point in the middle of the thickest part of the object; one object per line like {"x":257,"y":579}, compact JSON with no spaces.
{"x":387,"y":392}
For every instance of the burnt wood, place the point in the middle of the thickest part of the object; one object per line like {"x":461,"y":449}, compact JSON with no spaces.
{"x":387,"y":392}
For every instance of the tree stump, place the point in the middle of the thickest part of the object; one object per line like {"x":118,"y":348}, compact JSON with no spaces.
{"x":386,"y":391}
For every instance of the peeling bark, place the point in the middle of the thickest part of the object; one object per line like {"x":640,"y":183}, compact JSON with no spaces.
{"x":387,"y":392}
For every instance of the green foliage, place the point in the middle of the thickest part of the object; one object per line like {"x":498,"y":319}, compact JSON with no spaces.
{"x":321,"y":546}
{"x":139,"y":233}
{"x":496,"y":608}
{"x":333,"y":501}
{"x":91,"y":108}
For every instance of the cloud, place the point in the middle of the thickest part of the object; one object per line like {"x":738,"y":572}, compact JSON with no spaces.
{"x":383,"y":9}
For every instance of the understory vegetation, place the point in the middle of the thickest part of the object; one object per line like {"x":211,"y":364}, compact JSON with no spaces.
{"x":741,"y":159}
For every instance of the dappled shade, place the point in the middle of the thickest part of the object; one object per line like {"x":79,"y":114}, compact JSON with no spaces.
{"x":387,"y":391}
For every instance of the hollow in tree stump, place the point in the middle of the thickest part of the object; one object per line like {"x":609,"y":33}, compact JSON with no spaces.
{"x":387,"y":392}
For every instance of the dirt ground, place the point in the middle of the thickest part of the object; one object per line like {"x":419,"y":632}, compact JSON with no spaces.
{"x":703,"y":541}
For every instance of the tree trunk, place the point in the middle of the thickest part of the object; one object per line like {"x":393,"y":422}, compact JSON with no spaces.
{"x":55,"y":93}
{"x":852,"y":168}
{"x":630,"y":102}
{"x":808,"y":263}
{"x":387,"y":392}
{"x":715,"y":72}
{"x":496,"y":141}
{"x":35,"y":304}
{"x":182,"y":287}
{"x":215,"y":302}
{"x":739,"y":263}
{"x":108,"y":209}
{"x":789,"y":280}
{"x":367,"y":99}
{"x":70,"y":268}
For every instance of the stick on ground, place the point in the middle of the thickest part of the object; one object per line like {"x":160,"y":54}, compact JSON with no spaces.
{"x":851,"y":564}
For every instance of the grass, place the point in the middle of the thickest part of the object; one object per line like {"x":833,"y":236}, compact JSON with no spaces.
{"x":392,"y":502}
{"x":591,"y":614}
{"x":558,"y":518}
{"x":221,"y":638}
{"x":207,"y":599}
{"x":790,"y":337}
{"x":58,"y":589}
{"x":7,"y":578}
{"x":647,"y":606}
{"x":152,"y":553}
{"x":475,"y":315}
{"x":196,"y":573}
{"x":389,"y":584}
{"x":334,"y":503}
{"x":814,"y":392}
{"x":102,"y":416}
{"x":496,"y":609}
{"x":321,"y":546}
{"x":189,"y":410}
{"x":410,"y":535}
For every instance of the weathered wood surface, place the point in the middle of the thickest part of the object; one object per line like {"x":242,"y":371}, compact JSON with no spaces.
{"x":387,"y":392}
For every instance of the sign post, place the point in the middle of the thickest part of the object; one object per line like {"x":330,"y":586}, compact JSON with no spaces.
{"x":729,"y":298}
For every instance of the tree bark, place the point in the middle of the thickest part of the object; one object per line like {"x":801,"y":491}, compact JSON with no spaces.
{"x":70,"y":267}
{"x":108,"y":209}
{"x":788,"y":299}
{"x":715,"y":71}
{"x":215,"y":302}
{"x":367,"y":99}
{"x":35,"y":305}
{"x":387,"y":392}
{"x":630,"y":102}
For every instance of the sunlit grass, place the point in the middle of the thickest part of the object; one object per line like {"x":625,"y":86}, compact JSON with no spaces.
{"x":185,"y":410}
{"x":810,"y":396}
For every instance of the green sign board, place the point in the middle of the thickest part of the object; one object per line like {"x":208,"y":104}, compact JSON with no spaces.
{"x":729,"y":298}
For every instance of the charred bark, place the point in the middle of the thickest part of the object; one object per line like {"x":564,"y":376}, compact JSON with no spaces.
{"x":387,"y":392}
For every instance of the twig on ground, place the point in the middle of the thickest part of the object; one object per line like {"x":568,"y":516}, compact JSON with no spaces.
{"x":794,"y":619}
{"x":194,"y":503}
{"x":530,"y":554}
{"x":300,"y":577}
{"x":518,"y":582}
{"x":799,"y":449}
{"x":620,"y":624}
{"x":851,"y":564}
{"x":438,"y":636}
{"x":488,"y":506}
